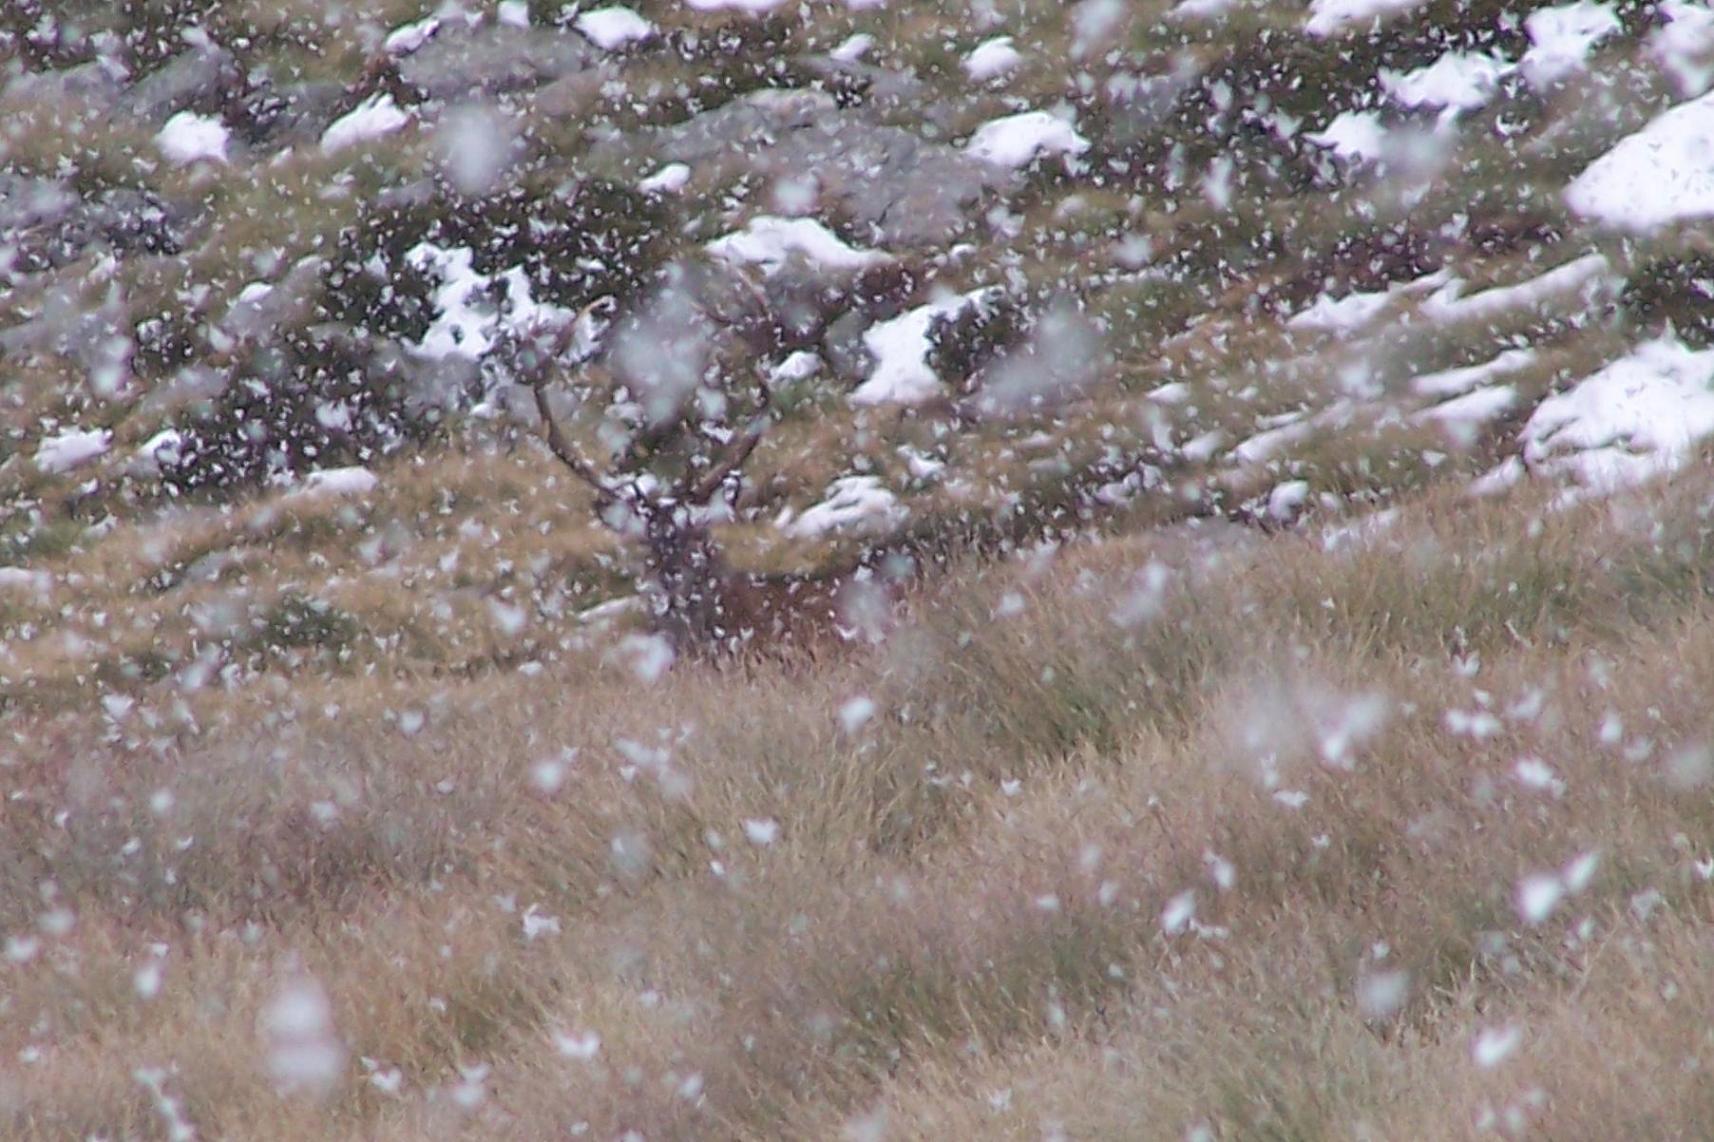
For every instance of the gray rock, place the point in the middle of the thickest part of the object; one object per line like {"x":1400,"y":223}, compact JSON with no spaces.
{"x":843,"y":349}
{"x":490,"y":60}
{"x":1139,"y":106}
{"x":27,"y":202}
{"x":198,"y":78}
{"x":290,"y":302}
{"x":122,"y":219}
{"x":290,"y":114}
{"x":95,"y":82}
{"x":895,"y":187}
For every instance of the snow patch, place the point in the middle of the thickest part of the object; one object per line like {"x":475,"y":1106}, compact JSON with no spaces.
{"x":1452,"y":382}
{"x":72,"y":448}
{"x":1640,"y":416}
{"x":376,"y":116}
{"x":1561,"y":39}
{"x":612,"y":28}
{"x":1473,"y":407}
{"x":852,"y":502}
{"x":670,"y":179}
{"x":469,"y":322}
{"x":1354,"y":135}
{"x":1015,"y":141}
{"x":1354,"y":310}
{"x":188,"y":137}
{"x":1329,"y":17}
{"x":1457,"y":81}
{"x":1684,"y":46}
{"x":352,"y":481}
{"x":1581,"y":276}
{"x":992,"y":59}
{"x":900,"y":347}
{"x":1661,"y":174}
{"x":769,"y":242}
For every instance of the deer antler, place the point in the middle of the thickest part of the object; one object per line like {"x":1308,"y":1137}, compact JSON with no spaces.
{"x":534,"y":371}
{"x":736,"y":456}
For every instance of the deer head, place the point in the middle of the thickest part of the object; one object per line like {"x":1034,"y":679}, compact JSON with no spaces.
{"x":695,"y":597}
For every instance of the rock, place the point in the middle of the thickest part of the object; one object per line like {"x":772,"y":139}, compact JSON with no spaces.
{"x":464,"y":62}
{"x":287,"y":114}
{"x":896,"y":188}
{"x":255,"y":314}
{"x":200,"y":79}
{"x":842,"y":346}
{"x":97,"y":82}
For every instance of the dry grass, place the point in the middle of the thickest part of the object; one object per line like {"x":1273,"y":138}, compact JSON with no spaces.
{"x":971,"y":921}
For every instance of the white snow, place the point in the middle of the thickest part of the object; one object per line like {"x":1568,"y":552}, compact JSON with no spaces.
{"x":1451,"y":382}
{"x":1354,"y":135}
{"x":1581,"y":276}
{"x":799,"y":366}
{"x":1327,"y":17}
{"x":1684,"y":47}
{"x":1561,"y":39}
{"x":1015,"y":141}
{"x":352,"y":481}
{"x":1457,"y":81}
{"x":900,"y":347}
{"x":670,"y":179}
{"x":188,"y":137}
{"x":468,"y":326}
{"x":376,"y":116}
{"x":769,"y":242}
{"x":853,"y":49}
{"x":513,"y":14}
{"x":407,"y":38}
{"x":992,"y":59}
{"x":851,"y":501}
{"x":72,"y":448}
{"x":1354,"y":310}
{"x":1661,"y":174}
{"x":161,"y":448}
{"x":1199,"y":9}
{"x":1638,"y":417}
{"x":1474,"y":406}
{"x":754,"y":7}
{"x":612,"y":28}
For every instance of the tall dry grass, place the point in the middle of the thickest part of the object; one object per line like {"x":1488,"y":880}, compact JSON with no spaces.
{"x":1188,"y":831}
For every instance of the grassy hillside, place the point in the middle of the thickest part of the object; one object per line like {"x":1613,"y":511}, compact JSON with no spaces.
{"x":1295,"y":725}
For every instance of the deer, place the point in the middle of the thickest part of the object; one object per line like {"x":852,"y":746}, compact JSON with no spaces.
{"x":694,"y":598}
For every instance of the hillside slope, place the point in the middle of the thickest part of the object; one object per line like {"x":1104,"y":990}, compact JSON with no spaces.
{"x":1296,"y":417}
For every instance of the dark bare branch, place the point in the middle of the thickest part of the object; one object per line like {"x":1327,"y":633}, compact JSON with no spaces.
{"x":563,"y":449}
{"x":737,"y":452}
{"x":536,"y":366}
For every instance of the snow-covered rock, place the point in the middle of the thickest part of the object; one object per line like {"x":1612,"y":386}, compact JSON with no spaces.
{"x":1662,"y":174}
{"x":352,"y":481}
{"x":900,"y":346}
{"x":1561,"y":38}
{"x":1017,"y":140}
{"x":852,"y":502}
{"x":1330,"y":17}
{"x":72,"y":448}
{"x":769,"y":242}
{"x":992,"y":59}
{"x":374,"y":117}
{"x":613,"y":28}
{"x":1638,"y":417}
{"x":188,"y":137}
